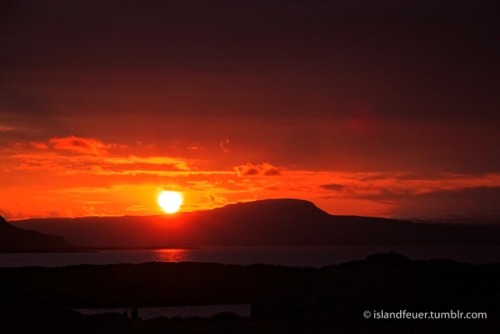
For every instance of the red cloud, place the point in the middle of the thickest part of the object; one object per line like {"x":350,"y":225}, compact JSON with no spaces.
{"x":259,"y":169}
{"x":80,"y":145}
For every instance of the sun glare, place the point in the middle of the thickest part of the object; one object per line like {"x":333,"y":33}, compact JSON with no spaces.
{"x":170,"y":201}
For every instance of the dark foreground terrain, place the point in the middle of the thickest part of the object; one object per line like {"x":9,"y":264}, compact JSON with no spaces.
{"x":331,"y":299}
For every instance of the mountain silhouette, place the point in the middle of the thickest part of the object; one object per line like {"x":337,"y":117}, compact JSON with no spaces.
{"x":265,"y":222}
{"x":17,"y":239}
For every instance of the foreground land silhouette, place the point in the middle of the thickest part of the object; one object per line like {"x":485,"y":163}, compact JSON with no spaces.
{"x":331,"y":299}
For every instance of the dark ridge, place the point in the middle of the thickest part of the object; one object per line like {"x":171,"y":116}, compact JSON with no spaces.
{"x":265,"y":222}
{"x":274,"y":208}
{"x":14,"y":239}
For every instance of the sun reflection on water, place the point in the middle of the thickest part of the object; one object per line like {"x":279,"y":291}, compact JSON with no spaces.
{"x":170,"y":255}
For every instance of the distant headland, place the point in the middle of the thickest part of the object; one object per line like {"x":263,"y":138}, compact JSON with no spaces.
{"x":263,"y":222}
{"x":15,"y":239}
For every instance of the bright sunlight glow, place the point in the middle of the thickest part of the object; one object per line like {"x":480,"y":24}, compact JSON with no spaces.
{"x":170,"y":201}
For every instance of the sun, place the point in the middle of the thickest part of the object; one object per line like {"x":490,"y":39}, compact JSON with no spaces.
{"x":170,"y":201}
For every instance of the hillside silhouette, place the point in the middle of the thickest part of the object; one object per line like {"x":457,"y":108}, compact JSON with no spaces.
{"x":330,"y":299}
{"x":17,"y":239}
{"x":265,"y":222}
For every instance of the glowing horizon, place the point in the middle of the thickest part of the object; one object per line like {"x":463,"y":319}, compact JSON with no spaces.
{"x":86,"y":177}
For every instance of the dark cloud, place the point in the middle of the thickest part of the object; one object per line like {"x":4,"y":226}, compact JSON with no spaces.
{"x":80,"y":145}
{"x":265,"y":169}
{"x":333,"y":186}
{"x":272,"y":171}
{"x":351,"y":85}
{"x":476,"y":201}
{"x":320,"y":56}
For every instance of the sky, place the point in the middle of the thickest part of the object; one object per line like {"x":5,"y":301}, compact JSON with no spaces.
{"x":380,"y":108}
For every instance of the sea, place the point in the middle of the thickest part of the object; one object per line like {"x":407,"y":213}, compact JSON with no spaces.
{"x":296,"y":256}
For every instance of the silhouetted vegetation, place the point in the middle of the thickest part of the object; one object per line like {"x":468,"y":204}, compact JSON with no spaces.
{"x":331,"y":299}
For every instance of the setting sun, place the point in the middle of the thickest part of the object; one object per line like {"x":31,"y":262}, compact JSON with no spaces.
{"x":170,"y":201}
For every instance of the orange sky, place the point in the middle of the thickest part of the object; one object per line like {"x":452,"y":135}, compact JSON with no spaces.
{"x":74,"y":176}
{"x":368,"y":110}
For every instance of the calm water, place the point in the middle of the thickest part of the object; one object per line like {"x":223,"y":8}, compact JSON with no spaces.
{"x":145,"y":313}
{"x":312,"y":256}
